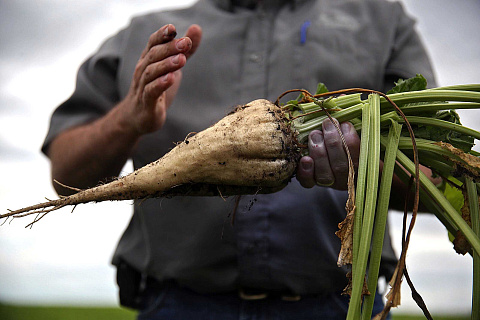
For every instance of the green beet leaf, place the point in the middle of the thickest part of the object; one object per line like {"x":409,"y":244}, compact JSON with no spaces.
{"x":412,"y":84}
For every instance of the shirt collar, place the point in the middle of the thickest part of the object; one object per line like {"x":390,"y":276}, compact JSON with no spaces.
{"x":230,"y":4}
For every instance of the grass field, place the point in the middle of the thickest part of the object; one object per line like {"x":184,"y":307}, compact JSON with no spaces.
{"x":98,"y":313}
{"x":64,"y":313}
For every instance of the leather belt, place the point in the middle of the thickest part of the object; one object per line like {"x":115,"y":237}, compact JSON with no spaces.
{"x":252,"y":295}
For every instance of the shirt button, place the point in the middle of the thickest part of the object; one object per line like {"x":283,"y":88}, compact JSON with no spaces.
{"x":255,"y":58}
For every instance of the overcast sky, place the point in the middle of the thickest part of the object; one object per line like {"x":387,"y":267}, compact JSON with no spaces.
{"x":66,"y":257}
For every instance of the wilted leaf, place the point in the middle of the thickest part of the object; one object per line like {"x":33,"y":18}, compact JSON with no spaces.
{"x":345,"y":232}
{"x":460,"y":244}
{"x":458,"y":140}
{"x":348,"y":288}
{"x":397,"y":299}
{"x":466,"y":210}
{"x":465,"y":163}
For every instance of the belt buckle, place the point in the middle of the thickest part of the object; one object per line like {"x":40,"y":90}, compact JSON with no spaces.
{"x":252,"y":296}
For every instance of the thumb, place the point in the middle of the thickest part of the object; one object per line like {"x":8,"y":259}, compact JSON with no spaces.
{"x":194,"y":32}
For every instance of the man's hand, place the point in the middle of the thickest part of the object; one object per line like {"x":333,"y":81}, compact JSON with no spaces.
{"x":87,"y":154}
{"x":157,"y":77}
{"x":327,"y":162}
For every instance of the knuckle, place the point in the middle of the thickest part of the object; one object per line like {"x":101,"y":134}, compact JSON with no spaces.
{"x":334,"y":145}
{"x":154,"y":89}
{"x":331,"y":136}
{"x":147,"y":93}
{"x":152,"y":39}
{"x":147,"y":74}
{"x":317,"y":152}
{"x":138,"y":69}
{"x":340,"y":167}
{"x":305,"y":181}
{"x":138,"y":66}
{"x":151,"y":55}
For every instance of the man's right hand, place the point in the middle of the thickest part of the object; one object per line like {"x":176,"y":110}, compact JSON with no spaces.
{"x":157,"y":77}
{"x":87,"y":154}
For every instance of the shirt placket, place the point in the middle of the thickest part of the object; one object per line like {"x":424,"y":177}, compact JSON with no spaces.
{"x":252,"y":224}
{"x":255,"y":57}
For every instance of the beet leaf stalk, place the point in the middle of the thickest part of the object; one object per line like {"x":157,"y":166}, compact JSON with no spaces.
{"x":359,"y":265}
{"x":381,"y":216}
{"x":472,"y":195}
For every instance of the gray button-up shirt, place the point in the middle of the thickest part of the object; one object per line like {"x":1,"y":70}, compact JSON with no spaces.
{"x":279,"y":241}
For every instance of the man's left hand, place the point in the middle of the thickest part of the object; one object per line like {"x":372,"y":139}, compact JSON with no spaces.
{"x":327,"y":161}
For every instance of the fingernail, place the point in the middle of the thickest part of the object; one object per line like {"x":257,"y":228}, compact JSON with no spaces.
{"x":328,"y":125}
{"x":181,"y":44}
{"x":347,"y":127}
{"x":169,"y":32}
{"x":325,"y":184}
{"x":306,"y":165}
{"x":316,"y":137}
{"x":175,"y":59}
{"x":165,"y":77}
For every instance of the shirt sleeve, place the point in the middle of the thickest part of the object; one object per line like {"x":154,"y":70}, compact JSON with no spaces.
{"x":96,"y":91}
{"x":408,"y":55}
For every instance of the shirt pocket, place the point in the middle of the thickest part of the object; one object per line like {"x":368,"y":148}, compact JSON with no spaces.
{"x":339,"y":53}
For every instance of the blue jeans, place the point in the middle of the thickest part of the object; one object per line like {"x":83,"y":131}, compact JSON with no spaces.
{"x":175,"y":303}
